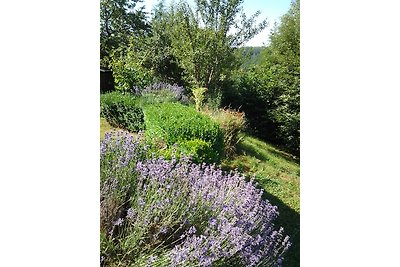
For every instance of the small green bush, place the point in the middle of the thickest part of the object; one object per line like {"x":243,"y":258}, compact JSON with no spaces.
{"x":198,"y":150}
{"x":122,"y":110}
{"x":195,"y":133}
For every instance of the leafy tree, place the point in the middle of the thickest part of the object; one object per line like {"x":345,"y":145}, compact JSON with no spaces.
{"x":269,"y":93}
{"x":282,"y":65}
{"x":119,"y":20}
{"x":128,"y":65}
{"x":158,"y":45}
{"x":146,"y":57}
{"x":203,"y":39}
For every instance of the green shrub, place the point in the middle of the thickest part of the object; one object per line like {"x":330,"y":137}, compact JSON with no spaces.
{"x":213,"y":100}
{"x":128,"y":71}
{"x":122,"y":110}
{"x":198,"y":150}
{"x":232,"y":124}
{"x":195,"y":133}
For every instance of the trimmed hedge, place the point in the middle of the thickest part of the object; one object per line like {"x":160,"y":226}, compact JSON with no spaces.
{"x":199,"y":151}
{"x":195,"y":133}
{"x":122,"y":110}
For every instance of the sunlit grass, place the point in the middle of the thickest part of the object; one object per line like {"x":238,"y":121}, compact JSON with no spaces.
{"x":275,"y":170}
{"x":104,"y":127}
{"x":278,"y":173}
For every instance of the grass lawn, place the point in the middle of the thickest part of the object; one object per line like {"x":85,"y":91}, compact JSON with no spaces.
{"x":275,"y":171}
{"x":279,"y":174}
{"x":104,"y":127}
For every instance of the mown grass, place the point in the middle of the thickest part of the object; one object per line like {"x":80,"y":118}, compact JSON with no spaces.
{"x":279,"y":174}
{"x":275,"y":171}
{"x":104,"y":127}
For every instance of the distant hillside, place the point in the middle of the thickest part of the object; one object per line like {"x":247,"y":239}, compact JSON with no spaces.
{"x":251,"y":55}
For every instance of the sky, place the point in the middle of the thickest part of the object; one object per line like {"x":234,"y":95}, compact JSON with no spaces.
{"x":270,"y":9}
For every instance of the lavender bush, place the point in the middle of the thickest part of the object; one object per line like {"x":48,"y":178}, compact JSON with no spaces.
{"x":161,"y":92}
{"x":156,"y":212}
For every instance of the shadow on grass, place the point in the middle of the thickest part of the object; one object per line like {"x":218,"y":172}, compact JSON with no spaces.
{"x":251,"y":151}
{"x":246,"y":149}
{"x":289,"y":219}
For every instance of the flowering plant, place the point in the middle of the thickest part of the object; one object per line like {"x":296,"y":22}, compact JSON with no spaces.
{"x":157,"y":212}
{"x":161,"y":92}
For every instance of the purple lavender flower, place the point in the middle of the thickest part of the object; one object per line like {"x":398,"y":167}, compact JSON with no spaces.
{"x":119,"y":222}
{"x":151,"y":260}
{"x":203,"y":214}
{"x":174,"y":90}
{"x":131,"y":214}
{"x":163,"y":230}
{"x":192,"y":230}
{"x":212,"y":221}
{"x":141,"y":202}
{"x":136,"y":90}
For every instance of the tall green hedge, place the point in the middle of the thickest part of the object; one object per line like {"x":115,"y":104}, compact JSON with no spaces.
{"x":122,"y":110}
{"x":174,"y":123}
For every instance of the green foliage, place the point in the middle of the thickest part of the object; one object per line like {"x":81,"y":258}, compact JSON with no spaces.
{"x":269,"y":94}
{"x":282,"y":62}
{"x":199,"y":150}
{"x":122,"y":26}
{"x":119,"y":20}
{"x":173,"y":123}
{"x":246,"y":92}
{"x":159,"y":55}
{"x":199,"y":95}
{"x":214,"y":100}
{"x":201,"y":41}
{"x":188,"y":46}
{"x":157,"y":97}
{"x":128,"y":69}
{"x":122,"y":110}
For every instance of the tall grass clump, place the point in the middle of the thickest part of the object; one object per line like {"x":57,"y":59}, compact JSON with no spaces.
{"x":157,"y":212}
{"x":122,"y":110}
{"x":232,"y":123}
